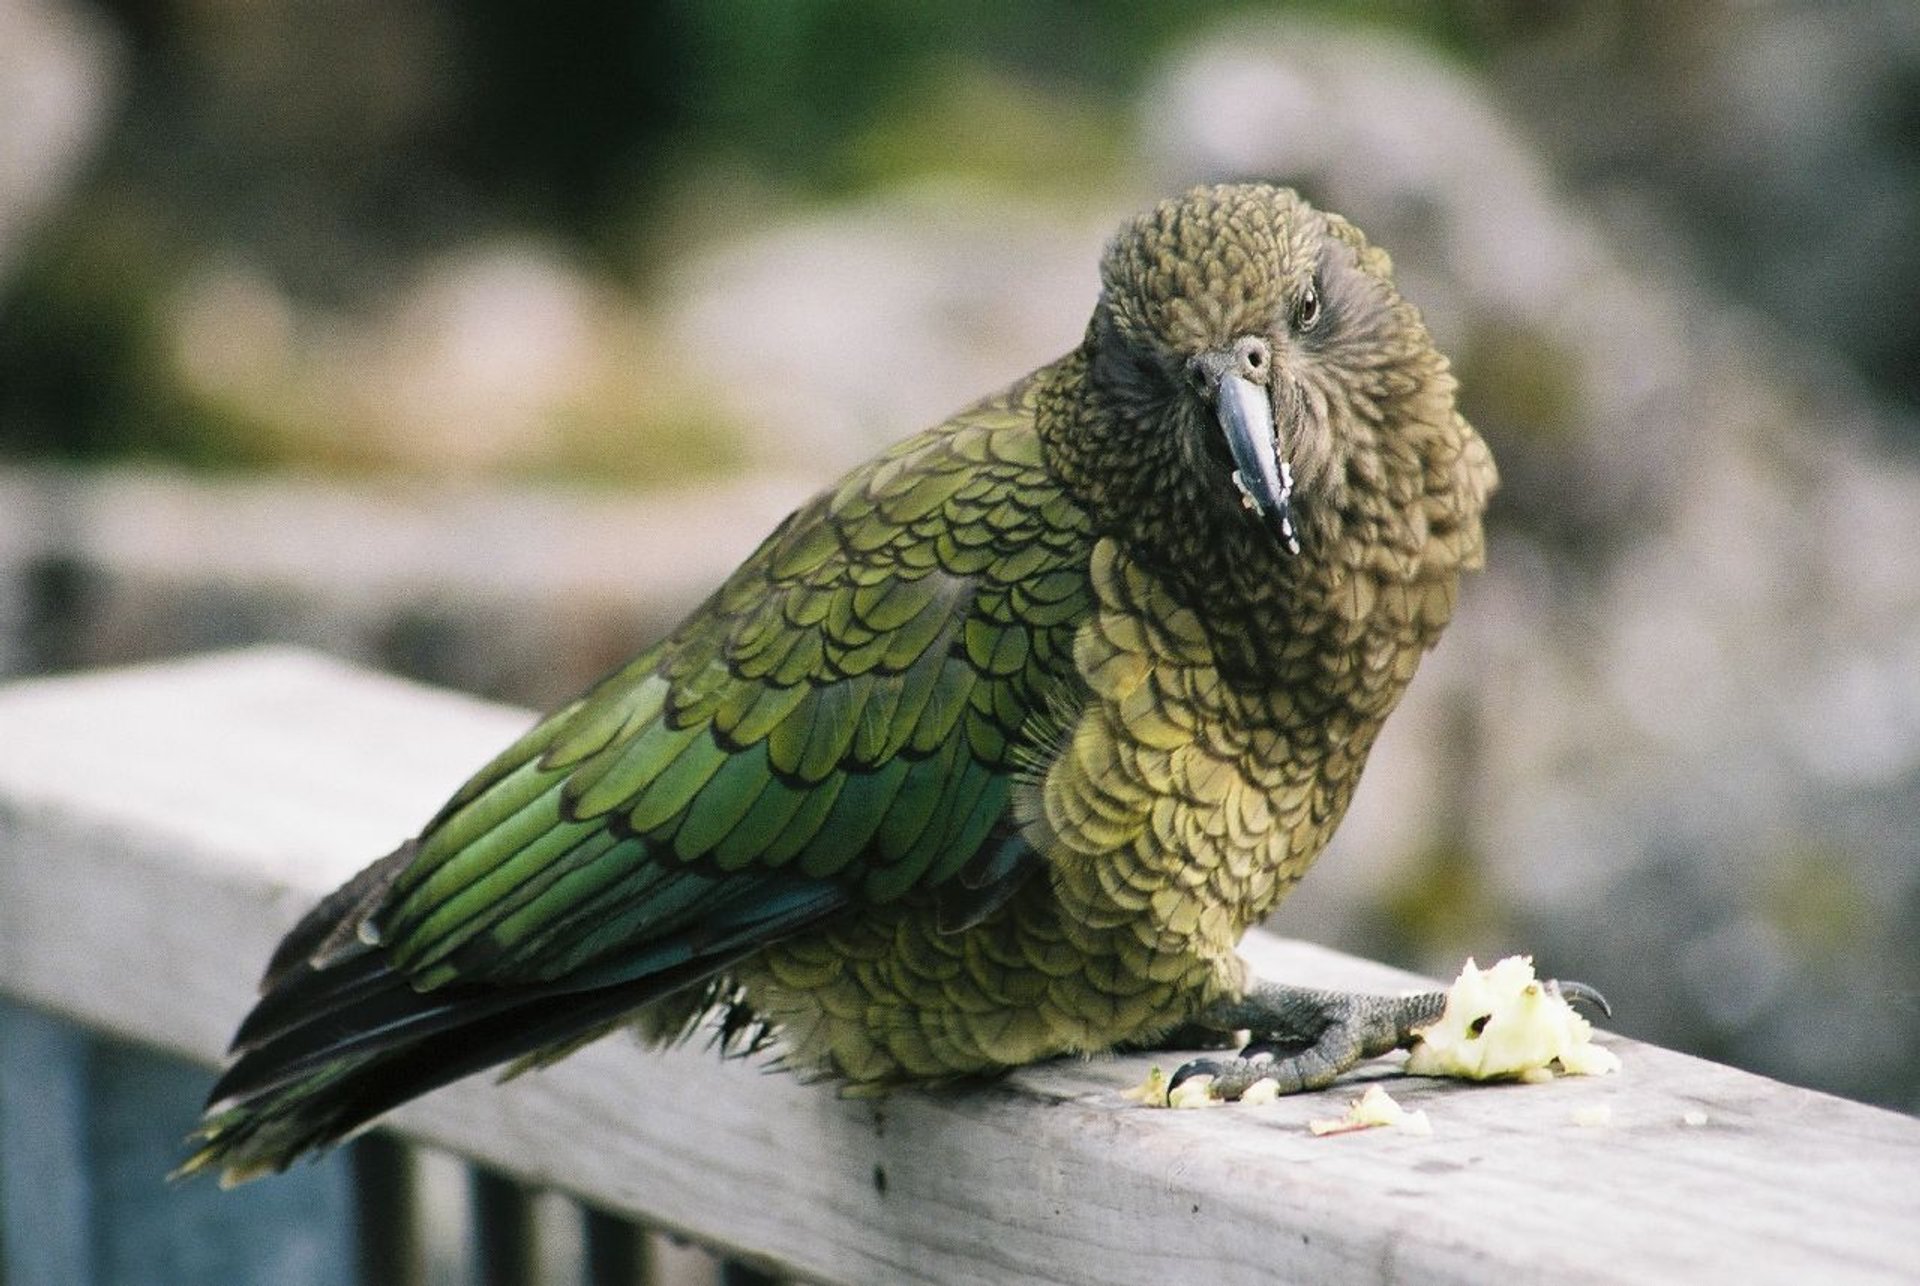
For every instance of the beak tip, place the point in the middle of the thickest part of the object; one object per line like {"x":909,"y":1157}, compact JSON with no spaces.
{"x":1280,"y":515}
{"x":1263,"y":479}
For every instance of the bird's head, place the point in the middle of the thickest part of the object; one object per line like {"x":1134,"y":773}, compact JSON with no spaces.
{"x":1256,"y":348}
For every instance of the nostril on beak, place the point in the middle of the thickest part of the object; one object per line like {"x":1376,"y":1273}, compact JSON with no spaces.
{"x":1205,"y":371}
{"x":1252,"y":359}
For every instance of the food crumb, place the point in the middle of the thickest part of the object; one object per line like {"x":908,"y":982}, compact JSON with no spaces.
{"x":1152,"y":1091}
{"x":1264,"y":1090}
{"x":1373,"y":1109}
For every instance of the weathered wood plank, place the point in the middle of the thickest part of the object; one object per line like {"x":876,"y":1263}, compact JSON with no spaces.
{"x":159,"y":828}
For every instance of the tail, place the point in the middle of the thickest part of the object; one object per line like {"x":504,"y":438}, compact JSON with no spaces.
{"x":339,"y":1036}
{"x":365,"y":1042}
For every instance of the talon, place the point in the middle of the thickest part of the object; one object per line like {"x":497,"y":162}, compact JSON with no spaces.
{"x":1231,"y":1077}
{"x":1187,"y":1071}
{"x":1579,"y":993}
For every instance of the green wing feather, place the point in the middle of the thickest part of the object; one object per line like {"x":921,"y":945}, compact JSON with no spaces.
{"x":848,"y":707}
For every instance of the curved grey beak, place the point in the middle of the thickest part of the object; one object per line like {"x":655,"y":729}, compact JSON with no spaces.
{"x":1265,"y":482}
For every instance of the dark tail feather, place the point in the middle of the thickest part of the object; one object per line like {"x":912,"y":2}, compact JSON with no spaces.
{"x":318,"y":1081}
{"x":334,"y":924}
{"x":340,"y":1037}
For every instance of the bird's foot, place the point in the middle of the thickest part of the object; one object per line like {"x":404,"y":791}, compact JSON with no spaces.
{"x":1303,"y":1039}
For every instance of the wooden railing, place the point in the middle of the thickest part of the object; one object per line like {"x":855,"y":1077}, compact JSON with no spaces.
{"x":161,"y":827}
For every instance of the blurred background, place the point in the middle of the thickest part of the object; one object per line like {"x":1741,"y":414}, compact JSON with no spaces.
{"x":474,"y":340}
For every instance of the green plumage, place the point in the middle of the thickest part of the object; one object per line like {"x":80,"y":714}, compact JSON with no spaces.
{"x":973,"y":761}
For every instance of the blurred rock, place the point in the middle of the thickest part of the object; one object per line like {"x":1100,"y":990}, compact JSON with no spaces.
{"x":464,"y":371}
{"x":1782,"y":140}
{"x":498,"y":358}
{"x":838,"y":332}
{"x":58,"y":66}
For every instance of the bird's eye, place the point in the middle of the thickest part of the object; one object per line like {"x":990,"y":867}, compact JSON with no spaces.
{"x":1306,"y":313}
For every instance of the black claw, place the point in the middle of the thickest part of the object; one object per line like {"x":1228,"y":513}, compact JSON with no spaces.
{"x":1198,"y":1067}
{"x":1265,"y":1051}
{"x":1580,"y":993}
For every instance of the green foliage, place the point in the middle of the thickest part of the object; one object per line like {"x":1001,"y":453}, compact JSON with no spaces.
{"x":834,"y":94}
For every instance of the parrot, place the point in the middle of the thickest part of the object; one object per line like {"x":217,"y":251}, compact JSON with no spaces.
{"x":989,"y":754}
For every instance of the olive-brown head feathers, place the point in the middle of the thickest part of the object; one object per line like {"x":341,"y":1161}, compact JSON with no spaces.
{"x":1264,"y":340}
{"x":1215,"y":263}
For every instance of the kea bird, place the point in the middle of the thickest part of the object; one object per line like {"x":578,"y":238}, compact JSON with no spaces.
{"x":989,"y":753}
